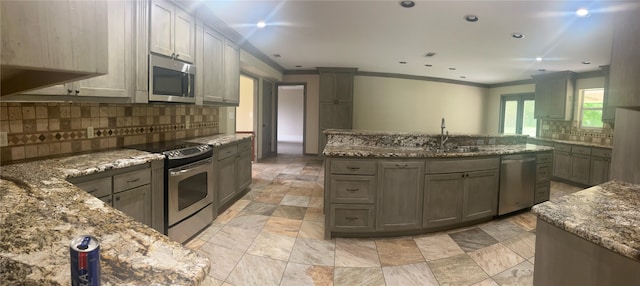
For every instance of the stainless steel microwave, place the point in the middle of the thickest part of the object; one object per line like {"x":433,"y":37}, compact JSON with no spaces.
{"x":171,"y":80}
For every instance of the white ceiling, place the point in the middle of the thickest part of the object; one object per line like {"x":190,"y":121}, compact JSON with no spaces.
{"x":374,"y":36}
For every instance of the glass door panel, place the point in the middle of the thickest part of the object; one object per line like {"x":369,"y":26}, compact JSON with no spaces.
{"x":517,"y":113}
{"x":510,"y":117}
{"x":529,"y":123}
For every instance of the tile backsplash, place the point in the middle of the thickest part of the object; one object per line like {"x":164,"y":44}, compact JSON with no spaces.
{"x":570,"y":130}
{"x":48,"y":129}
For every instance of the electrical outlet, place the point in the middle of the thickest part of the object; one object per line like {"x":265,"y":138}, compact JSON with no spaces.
{"x":4,"y":140}
{"x":90,"y":132}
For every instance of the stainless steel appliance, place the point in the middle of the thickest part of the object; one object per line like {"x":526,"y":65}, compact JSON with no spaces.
{"x":517,"y":182}
{"x":171,"y":80}
{"x":189,"y":193}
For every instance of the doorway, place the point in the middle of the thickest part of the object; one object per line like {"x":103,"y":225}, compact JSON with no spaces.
{"x":291,"y":103}
{"x":245,"y":122}
{"x":267,"y":130}
{"x":517,"y":114}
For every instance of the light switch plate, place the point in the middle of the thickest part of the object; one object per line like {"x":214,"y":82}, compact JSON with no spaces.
{"x":4,"y":140}
{"x":90,"y":132}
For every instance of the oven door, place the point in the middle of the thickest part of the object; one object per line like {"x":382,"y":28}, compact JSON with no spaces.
{"x":190,"y":188}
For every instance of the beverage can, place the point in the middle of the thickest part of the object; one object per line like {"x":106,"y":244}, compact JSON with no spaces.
{"x":85,"y":261}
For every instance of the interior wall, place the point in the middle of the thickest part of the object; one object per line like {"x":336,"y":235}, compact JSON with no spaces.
{"x":290,"y":114}
{"x":392,"y":104}
{"x":492,"y":111}
{"x":313,"y":102}
{"x":244,"y":112}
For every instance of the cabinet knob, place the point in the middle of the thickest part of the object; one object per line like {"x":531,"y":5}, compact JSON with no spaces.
{"x":177,"y":56}
{"x":462,"y":176}
{"x":77,"y":91}
{"x":69,"y":91}
{"x":117,"y":198}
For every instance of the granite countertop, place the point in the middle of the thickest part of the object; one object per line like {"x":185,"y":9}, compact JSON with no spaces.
{"x":355,"y":132}
{"x":220,"y":139}
{"x":40,"y":212}
{"x":579,"y":143}
{"x":607,"y":215}
{"x":418,"y":152}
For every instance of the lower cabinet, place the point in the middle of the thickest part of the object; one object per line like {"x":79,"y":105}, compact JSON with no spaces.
{"x":480,"y":195}
{"x":135,"y":202}
{"x":227,"y":183}
{"x":581,"y":164}
{"x":580,"y":168}
{"x":600,"y":165}
{"x":244,"y":165}
{"x":400,"y":195}
{"x":352,"y":218}
{"x":233,"y":171}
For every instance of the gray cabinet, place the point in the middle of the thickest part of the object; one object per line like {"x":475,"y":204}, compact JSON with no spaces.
{"x":336,"y":100}
{"x":624,"y":86}
{"x":600,"y":165}
{"x":231,"y":74}
{"x":608,"y":112}
{"x":400,"y":195}
{"x":172,"y":31}
{"x":480,"y":195}
{"x":554,"y":95}
{"x":232,"y":169}
{"x":580,"y":168}
{"x":443,"y":199}
{"x":130,"y":190}
{"x":543,"y":177}
{"x":562,"y":161}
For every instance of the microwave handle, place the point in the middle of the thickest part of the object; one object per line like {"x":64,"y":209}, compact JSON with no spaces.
{"x":188,"y":81}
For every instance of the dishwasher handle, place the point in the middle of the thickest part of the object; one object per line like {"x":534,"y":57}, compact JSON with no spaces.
{"x":511,"y":161}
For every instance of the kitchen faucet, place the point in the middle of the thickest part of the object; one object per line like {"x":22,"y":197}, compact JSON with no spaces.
{"x":442,"y":138}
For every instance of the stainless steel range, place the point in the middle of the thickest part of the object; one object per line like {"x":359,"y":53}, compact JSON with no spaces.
{"x":188,"y":188}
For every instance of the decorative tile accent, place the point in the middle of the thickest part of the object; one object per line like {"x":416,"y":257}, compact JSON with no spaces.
{"x":36,"y":126}
{"x":569,"y":130}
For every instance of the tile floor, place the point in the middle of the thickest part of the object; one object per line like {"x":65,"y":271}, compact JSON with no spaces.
{"x":274,"y":236}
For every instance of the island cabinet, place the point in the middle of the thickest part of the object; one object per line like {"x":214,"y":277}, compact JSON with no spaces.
{"x":400,"y":194}
{"x":544,"y":163}
{"x":460,"y":190}
{"x":554,"y":95}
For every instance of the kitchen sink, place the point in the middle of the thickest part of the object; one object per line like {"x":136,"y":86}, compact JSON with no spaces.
{"x":460,"y":149}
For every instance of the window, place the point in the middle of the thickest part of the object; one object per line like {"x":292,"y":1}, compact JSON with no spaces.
{"x":516,"y":114}
{"x":591,"y":102}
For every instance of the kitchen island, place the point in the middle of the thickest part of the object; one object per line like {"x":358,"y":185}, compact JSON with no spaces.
{"x":395,"y":183}
{"x":40,"y":212}
{"x":591,"y":237}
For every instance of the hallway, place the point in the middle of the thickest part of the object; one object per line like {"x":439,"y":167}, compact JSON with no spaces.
{"x":274,"y":236}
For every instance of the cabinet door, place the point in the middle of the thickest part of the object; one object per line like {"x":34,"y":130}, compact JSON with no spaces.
{"x":400,"y":195}
{"x":562,"y":165}
{"x":135,"y":203}
{"x":343,"y":115}
{"x":227,"y":180}
{"x":344,"y":87}
{"x":244,"y":169}
{"x":327,"y":87}
{"x":184,"y":36}
{"x":231,"y":73}
{"x":212,"y":67}
{"x":326,"y":115}
{"x":557,"y":99}
{"x":580,"y":168}
{"x":541,"y":100}
{"x":162,"y":31}
{"x":480,"y":198}
{"x":624,"y":86}
{"x":442,"y":199}
{"x":599,"y":171}
{"x":119,"y":81}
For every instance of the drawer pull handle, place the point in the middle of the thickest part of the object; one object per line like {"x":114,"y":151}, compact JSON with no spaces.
{"x":353,"y":190}
{"x":402,"y":166}
{"x":353,"y":168}
{"x":351,"y":217}
{"x":134,"y":180}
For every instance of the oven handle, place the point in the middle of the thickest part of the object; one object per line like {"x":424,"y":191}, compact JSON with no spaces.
{"x":189,"y":168}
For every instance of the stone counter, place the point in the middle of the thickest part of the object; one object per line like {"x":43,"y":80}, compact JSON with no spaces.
{"x":40,"y":212}
{"x":607,"y":215}
{"x":412,"y":152}
{"x":221,"y":139}
{"x":534,"y":140}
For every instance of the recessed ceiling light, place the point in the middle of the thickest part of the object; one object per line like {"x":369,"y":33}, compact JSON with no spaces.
{"x":586,"y":62}
{"x":428,"y":65}
{"x":261,"y":24}
{"x":452,"y":69}
{"x":471,"y":18}
{"x":542,"y":70}
{"x":517,"y":36}
{"x":407,"y":4}
{"x":582,"y":12}
{"x":277,"y":55}
{"x":538,"y":59}
{"x":402,"y":62}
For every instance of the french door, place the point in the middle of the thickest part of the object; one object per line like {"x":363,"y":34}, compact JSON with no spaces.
{"x":516,"y":114}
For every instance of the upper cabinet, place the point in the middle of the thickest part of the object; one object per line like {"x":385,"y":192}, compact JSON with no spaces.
{"x":554,"y":95}
{"x":232,"y":73}
{"x":624,"y":86}
{"x":172,"y":31}
{"x":50,"y":42}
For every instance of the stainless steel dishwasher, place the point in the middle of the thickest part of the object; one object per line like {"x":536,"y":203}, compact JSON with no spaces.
{"x":517,"y":182}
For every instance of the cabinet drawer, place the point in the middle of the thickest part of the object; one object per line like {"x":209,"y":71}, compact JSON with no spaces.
{"x":227,"y":152}
{"x":562,"y":147}
{"x":601,"y":152}
{"x":244,"y":146}
{"x":131,"y":180}
{"x":98,"y":187}
{"x":542,"y":192}
{"x":543,"y":172}
{"x":581,"y":150}
{"x":461,"y":165}
{"x":352,"y":218}
{"x":352,"y":189}
{"x":353,"y":167}
{"x":544,"y":158}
